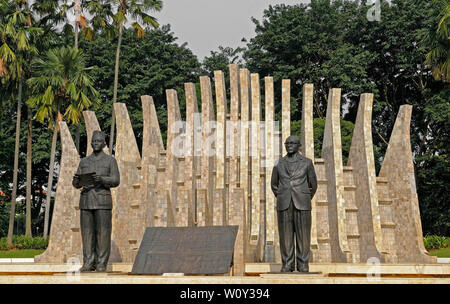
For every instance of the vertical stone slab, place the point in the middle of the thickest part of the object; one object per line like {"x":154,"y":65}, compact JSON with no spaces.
{"x":285,"y":112}
{"x":175,"y":150}
{"x":271,"y":223}
{"x":323,"y":254}
{"x":127,"y":149}
{"x":221,"y":180}
{"x":221,"y":104}
{"x":191,"y":165}
{"x":221,"y":194}
{"x":361,"y":159}
{"x":255,"y":159}
{"x":307,"y":138}
{"x":208,"y":152}
{"x":387,"y":219}
{"x":151,"y":146}
{"x":398,"y":169}
{"x":152,"y":142}
{"x":127,"y":228}
{"x":65,"y":235}
{"x":307,"y":149}
{"x":332,"y":154}
{"x":236,"y":216}
{"x":244,"y":81}
{"x":233,"y":130}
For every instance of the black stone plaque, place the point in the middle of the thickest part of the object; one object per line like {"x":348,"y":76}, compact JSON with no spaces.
{"x":189,"y":250}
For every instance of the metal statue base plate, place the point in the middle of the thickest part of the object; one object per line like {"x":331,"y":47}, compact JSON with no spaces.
{"x":188,"y":250}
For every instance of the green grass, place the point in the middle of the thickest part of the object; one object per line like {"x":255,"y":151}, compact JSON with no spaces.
{"x":24,"y":253}
{"x":441,"y":253}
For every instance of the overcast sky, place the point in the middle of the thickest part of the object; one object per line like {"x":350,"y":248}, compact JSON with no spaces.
{"x":207,"y":24}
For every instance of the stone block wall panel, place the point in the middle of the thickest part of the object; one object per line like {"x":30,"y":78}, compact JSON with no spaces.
{"x":398,"y":169}
{"x":65,"y":236}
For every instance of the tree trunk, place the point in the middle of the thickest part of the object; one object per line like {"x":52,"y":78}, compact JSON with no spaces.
{"x":29,"y":160}
{"x":116,"y":81}
{"x":76,"y":36}
{"x":50,"y":176}
{"x":77,"y":20}
{"x":77,"y":9}
{"x":12,"y":212}
{"x":77,"y":137}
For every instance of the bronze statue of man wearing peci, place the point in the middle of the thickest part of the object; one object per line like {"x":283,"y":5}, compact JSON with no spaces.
{"x":96,"y":174}
{"x":294,"y":184}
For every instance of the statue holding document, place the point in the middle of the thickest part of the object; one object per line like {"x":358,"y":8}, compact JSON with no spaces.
{"x":96,"y":174}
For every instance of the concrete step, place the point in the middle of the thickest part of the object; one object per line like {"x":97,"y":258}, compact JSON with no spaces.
{"x":348,"y":268}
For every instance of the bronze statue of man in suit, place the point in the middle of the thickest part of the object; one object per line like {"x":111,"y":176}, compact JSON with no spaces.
{"x":294,"y":184}
{"x":96,"y":204}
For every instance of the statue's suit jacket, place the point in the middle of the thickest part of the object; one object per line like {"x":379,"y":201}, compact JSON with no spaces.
{"x":300,"y":186}
{"x":98,"y":196}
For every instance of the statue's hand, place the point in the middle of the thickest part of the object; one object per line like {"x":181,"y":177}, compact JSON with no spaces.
{"x":76,"y":181}
{"x":76,"y":178}
{"x":98,"y":179}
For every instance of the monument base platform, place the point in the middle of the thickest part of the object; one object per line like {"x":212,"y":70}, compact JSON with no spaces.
{"x":256,"y":273}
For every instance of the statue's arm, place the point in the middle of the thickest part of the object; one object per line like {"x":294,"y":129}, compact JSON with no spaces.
{"x":76,"y":179}
{"x":113,"y":180}
{"x":274,"y":180}
{"x":312,"y":179}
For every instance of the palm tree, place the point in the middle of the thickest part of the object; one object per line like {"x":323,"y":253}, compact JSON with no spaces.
{"x":102,"y":15}
{"x":53,"y":13}
{"x":138,"y":11}
{"x":17,"y":34}
{"x":439,"y":56}
{"x":61,"y":85}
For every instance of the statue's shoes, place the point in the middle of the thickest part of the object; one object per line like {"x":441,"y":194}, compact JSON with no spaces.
{"x":101,"y":269}
{"x":286,"y":270}
{"x":87,"y":268}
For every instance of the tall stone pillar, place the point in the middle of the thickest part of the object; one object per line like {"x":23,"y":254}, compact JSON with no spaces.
{"x":177,"y":208}
{"x":254,"y":140}
{"x":361,"y":159}
{"x":65,"y":236}
{"x":128,"y":215}
{"x":244,"y":80}
{"x":285,"y":112}
{"x":332,"y":154}
{"x":152,"y":145}
{"x":191,"y":159}
{"x":233,"y":131}
{"x":398,"y":168}
{"x":307,"y":149}
{"x":221,"y":184}
{"x":205,"y":207}
{"x":271,"y":222}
